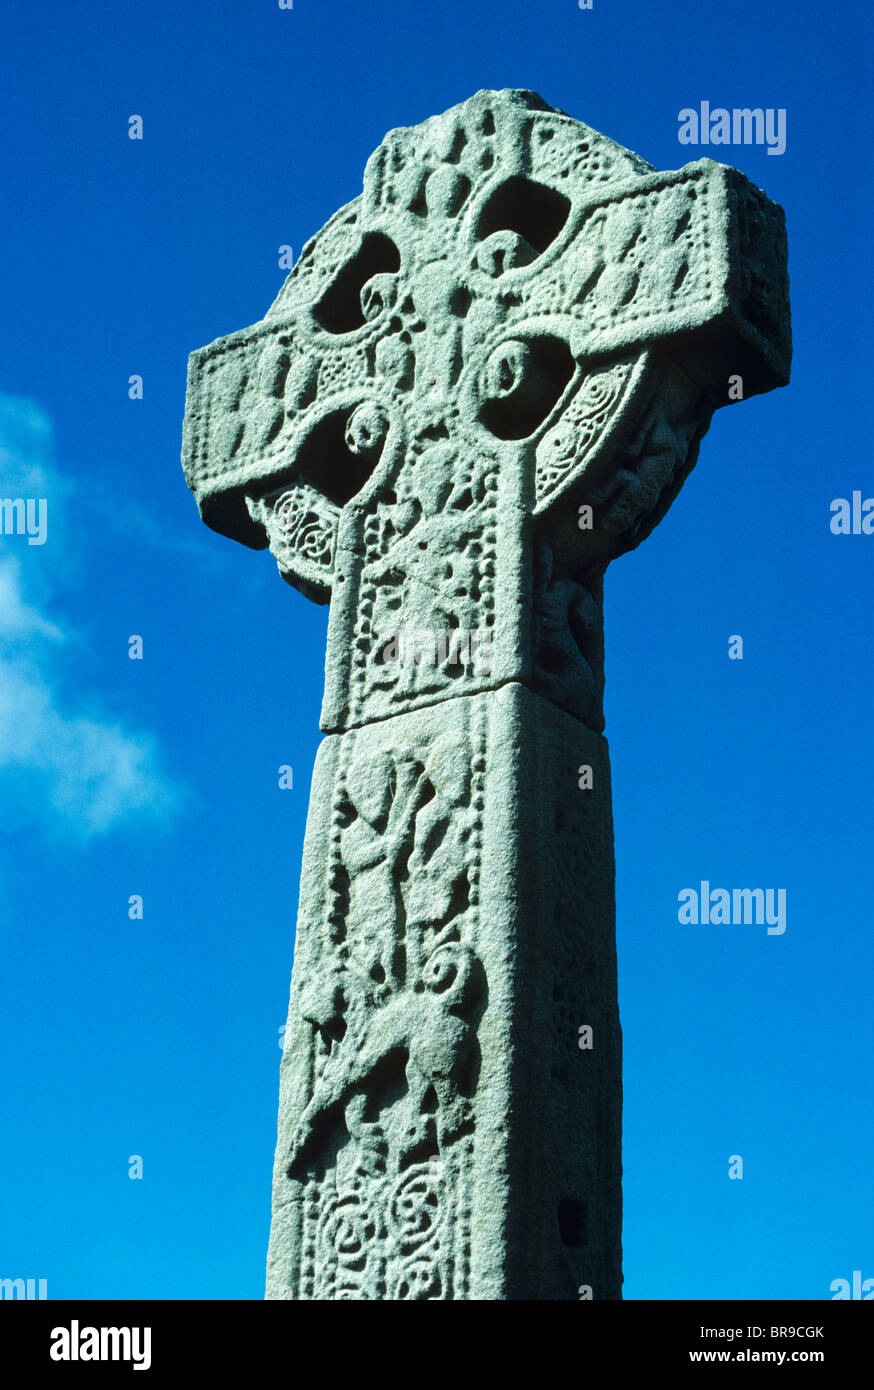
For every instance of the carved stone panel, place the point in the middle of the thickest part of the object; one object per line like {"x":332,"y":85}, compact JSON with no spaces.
{"x":404,"y":1082}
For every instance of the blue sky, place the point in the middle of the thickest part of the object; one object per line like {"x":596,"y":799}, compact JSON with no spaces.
{"x":159,"y":777}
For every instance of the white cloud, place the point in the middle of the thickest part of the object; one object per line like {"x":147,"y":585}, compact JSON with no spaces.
{"x":87,"y":772}
{"x":18,"y":619}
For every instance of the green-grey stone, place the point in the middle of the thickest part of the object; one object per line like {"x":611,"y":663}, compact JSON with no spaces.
{"x":516,"y":322}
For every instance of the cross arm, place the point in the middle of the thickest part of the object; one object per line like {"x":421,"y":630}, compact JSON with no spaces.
{"x":675,"y":286}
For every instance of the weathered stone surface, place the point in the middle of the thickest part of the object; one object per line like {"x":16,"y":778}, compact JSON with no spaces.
{"x":484,"y":379}
{"x":456,"y":928}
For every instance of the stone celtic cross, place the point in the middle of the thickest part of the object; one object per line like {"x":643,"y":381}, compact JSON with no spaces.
{"x":485,"y":378}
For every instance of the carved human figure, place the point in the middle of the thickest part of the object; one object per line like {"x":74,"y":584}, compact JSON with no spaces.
{"x":384,"y":800}
{"x":437,"y":888}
